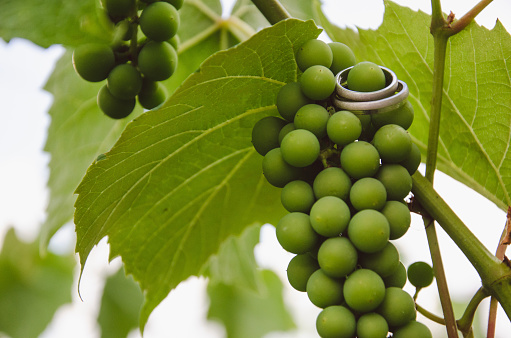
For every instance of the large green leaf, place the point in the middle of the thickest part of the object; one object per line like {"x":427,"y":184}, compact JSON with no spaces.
{"x":475,"y":132}
{"x":32,"y":287}
{"x":181,"y":179}
{"x":50,"y":22}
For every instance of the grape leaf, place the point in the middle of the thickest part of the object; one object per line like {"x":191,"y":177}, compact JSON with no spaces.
{"x":32,"y":287}
{"x":249,"y":314}
{"x":183,"y":178}
{"x":475,"y":132}
{"x":120,"y":306}
{"x":50,"y":22}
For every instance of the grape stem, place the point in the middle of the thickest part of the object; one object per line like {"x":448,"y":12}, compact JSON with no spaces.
{"x":272,"y":10}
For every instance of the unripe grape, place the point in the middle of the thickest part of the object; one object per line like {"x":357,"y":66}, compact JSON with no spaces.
{"x":364,"y":290}
{"x":402,"y":116}
{"x":290,"y":98}
{"x":176,"y":3}
{"x":277,"y":171}
{"x":157,"y":60}
{"x":383,"y":262}
{"x":295,"y":233}
{"x":413,"y":329}
{"x":265,"y":134}
{"x":124,"y":81}
{"x":360,"y":159}
{"x":112,"y":106}
{"x":366,"y":77}
{"x":397,"y":278}
{"x":330,"y":216}
{"x":396,"y":179}
{"x":368,"y":193}
{"x":159,"y":21}
{"x":337,"y":257}
{"x":332,"y":181}
{"x":372,"y":325}
{"x":317,"y":82}
{"x":297,"y":196}
{"x":323,"y":290}
{"x":300,"y":148}
{"x":313,"y":52}
{"x":412,"y":160}
{"x":393,"y":143}
{"x":285,"y":130}
{"x":343,"y":127}
{"x":398,"y":216}
{"x":152,"y":94}
{"x":299,"y":270}
{"x":119,"y":9}
{"x":93,"y":61}
{"x":369,"y":231}
{"x":175,"y":41}
{"x":343,"y":57}
{"x":397,"y":307}
{"x":312,"y":117}
{"x":336,"y":322}
{"x":420,"y":274}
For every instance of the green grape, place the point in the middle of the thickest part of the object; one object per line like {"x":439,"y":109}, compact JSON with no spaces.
{"x":300,"y":268}
{"x":176,"y":3}
{"x":360,"y":159}
{"x":369,"y":231}
{"x":332,"y":181}
{"x":343,"y":57}
{"x":383,"y":262}
{"x":336,"y":322}
{"x":372,"y":325}
{"x":93,"y":61}
{"x":397,"y":278}
{"x":152,"y":94}
{"x":412,"y":160}
{"x":157,"y":61}
{"x":323,"y":290}
{"x":366,"y":77}
{"x":398,"y":216}
{"x":368,"y":129}
{"x":277,"y":171}
{"x":119,"y":9}
{"x":285,"y":130}
{"x":313,"y":52}
{"x":175,"y":41}
{"x":114,"y":107}
{"x":402,"y":116}
{"x":393,"y":143}
{"x":312,"y":117}
{"x":317,"y":82}
{"x":337,"y":257}
{"x":413,"y":329}
{"x":300,"y":148}
{"x":124,"y":81}
{"x":295,"y":234}
{"x":297,"y":196}
{"x":396,"y":179}
{"x":343,"y":127}
{"x":290,"y":98}
{"x":398,"y":307}
{"x":330,"y":216}
{"x":159,"y":21}
{"x":364,"y":290}
{"x":368,"y":193}
{"x":420,"y":274}
{"x":265,"y":134}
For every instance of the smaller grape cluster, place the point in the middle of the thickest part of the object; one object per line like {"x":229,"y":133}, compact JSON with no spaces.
{"x":132,"y":67}
{"x":344,"y":177}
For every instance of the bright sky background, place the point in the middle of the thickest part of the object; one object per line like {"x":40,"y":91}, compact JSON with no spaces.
{"x":24,"y":68}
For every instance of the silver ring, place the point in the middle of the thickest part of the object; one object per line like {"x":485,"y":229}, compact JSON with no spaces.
{"x":391,"y":102}
{"x":343,"y":92}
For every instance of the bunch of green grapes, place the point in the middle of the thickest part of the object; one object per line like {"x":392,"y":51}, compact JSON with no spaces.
{"x":344,"y":177}
{"x":132,"y":66}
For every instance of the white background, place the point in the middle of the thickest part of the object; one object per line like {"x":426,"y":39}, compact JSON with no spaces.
{"x":24,"y":68}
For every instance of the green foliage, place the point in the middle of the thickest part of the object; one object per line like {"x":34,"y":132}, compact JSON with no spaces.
{"x":32,"y":287}
{"x":474,"y":144}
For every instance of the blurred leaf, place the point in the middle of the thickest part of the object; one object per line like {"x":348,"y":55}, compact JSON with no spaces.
{"x":50,"y":22}
{"x":247,"y":313}
{"x":120,"y":306}
{"x":183,"y":178}
{"x":32,"y":287}
{"x":475,"y":128}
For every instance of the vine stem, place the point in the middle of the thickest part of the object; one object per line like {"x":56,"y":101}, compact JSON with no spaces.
{"x":272,"y":10}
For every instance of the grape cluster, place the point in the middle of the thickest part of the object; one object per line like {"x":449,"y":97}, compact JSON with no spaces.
{"x":344,"y":177}
{"x":132,"y":67}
